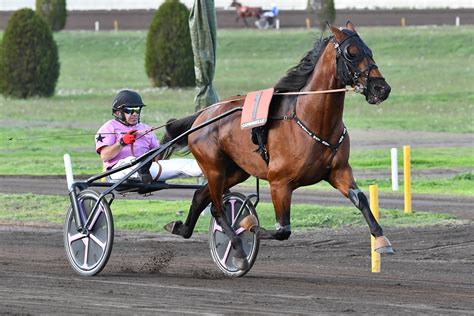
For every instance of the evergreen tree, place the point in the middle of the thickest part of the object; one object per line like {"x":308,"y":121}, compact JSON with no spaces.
{"x":29,"y":64}
{"x":169,"y":59}
{"x":54,"y":12}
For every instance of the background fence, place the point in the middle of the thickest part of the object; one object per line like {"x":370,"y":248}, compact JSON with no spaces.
{"x":9,"y":5}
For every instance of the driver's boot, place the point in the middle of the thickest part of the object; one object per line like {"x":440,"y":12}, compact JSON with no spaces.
{"x":144,"y":173}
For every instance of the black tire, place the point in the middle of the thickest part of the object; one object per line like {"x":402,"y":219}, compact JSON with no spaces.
{"x":219,"y":243}
{"x":88,"y":253}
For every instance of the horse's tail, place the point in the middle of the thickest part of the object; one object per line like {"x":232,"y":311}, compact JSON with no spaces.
{"x":174,"y":128}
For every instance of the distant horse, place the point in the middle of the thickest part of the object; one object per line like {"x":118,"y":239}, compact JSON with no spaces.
{"x":307,"y":140}
{"x":244,"y":12}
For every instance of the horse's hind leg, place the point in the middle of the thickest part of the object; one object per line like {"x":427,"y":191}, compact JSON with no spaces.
{"x":343,"y":180}
{"x":201,"y":199}
{"x":281,"y":197}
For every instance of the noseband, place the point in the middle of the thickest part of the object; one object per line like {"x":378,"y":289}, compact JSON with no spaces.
{"x":346,"y":63}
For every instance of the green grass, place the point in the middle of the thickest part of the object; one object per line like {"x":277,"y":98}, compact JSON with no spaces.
{"x":153,"y":215}
{"x":461,"y":184}
{"x":421,"y":158}
{"x":429,"y":69}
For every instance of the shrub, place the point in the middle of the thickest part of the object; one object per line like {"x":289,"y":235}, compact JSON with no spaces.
{"x":169,"y":57}
{"x":29,"y":64}
{"x":54,"y":12}
{"x":325,"y":13}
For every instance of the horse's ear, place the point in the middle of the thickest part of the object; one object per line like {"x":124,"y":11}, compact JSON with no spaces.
{"x":350,"y":26}
{"x":336,"y":32}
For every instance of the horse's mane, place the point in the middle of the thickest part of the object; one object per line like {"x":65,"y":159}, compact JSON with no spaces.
{"x":297,"y":76}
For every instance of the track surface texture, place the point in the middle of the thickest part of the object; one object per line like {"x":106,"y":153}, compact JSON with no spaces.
{"x":319,"y":272}
{"x":316,"y":272}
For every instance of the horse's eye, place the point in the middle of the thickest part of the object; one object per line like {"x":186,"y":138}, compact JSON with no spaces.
{"x":352,"y":53}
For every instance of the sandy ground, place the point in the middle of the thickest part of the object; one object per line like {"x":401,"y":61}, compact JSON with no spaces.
{"x":318,"y":272}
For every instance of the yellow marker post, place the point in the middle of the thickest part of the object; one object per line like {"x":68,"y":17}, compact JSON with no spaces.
{"x":374,"y":206}
{"x":407,"y":178}
{"x":116,"y":25}
{"x":403,"y":22}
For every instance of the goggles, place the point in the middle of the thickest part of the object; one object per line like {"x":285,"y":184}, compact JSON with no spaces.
{"x":131,"y":110}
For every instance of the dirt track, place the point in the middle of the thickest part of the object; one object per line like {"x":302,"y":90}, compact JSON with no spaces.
{"x":319,"y":272}
{"x":312,"y":273}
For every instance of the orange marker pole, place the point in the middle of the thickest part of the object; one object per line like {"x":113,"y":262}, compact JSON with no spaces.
{"x":374,"y":206}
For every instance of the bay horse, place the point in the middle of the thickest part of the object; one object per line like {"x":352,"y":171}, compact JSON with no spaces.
{"x":307,"y":140}
{"x":243,"y":12}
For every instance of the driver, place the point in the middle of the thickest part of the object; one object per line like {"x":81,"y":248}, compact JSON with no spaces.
{"x":120,"y":140}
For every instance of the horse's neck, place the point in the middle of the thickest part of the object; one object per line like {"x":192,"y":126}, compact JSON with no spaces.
{"x":322,"y":112}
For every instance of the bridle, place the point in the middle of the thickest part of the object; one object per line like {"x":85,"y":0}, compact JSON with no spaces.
{"x":346,"y":63}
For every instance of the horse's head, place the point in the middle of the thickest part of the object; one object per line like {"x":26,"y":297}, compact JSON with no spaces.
{"x":355,"y":65}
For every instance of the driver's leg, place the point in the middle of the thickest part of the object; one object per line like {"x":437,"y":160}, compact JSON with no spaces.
{"x":173,"y":168}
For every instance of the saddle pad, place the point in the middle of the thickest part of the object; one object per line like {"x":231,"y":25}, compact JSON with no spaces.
{"x":255,"y":110}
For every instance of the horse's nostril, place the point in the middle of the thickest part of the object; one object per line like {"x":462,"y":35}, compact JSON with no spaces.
{"x":379,"y":89}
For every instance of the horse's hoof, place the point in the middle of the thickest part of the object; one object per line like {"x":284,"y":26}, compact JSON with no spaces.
{"x":249,"y":222}
{"x":241,"y":263}
{"x":173,"y":227}
{"x":385,"y":250}
{"x":383,"y":245}
{"x":261,"y":232}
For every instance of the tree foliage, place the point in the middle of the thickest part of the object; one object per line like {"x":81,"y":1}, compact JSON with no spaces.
{"x":325,"y":12}
{"x":54,"y":12}
{"x":29,"y":64}
{"x":169,"y":57}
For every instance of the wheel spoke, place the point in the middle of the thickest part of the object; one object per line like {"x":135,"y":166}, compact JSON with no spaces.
{"x":239,"y":231}
{"x":73,"y":238}
{"x":224,"y":258}
{"x":86,"y":252}
{"x":216,"y":227}
{"x":97,"y":241}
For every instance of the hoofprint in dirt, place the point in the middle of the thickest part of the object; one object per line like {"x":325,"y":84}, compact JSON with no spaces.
{"x":322,"y":271}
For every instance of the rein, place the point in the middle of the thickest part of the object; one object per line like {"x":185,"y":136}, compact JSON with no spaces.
{"x":356,"y":89}
{"x":145,"y":132}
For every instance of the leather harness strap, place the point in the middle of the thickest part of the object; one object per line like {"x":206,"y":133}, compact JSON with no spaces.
{"x":318,"y":139}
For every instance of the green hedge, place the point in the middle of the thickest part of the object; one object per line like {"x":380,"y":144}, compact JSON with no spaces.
{"x":54,"y":12}
{"x":169,"y":57}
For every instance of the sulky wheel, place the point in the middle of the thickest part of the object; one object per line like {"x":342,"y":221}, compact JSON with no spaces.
{"x":88,"y":253}
{"x":219,"y":243}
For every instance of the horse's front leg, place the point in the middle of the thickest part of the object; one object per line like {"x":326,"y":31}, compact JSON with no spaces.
{"x":343,"y":180}
{"x":281,"y":197}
